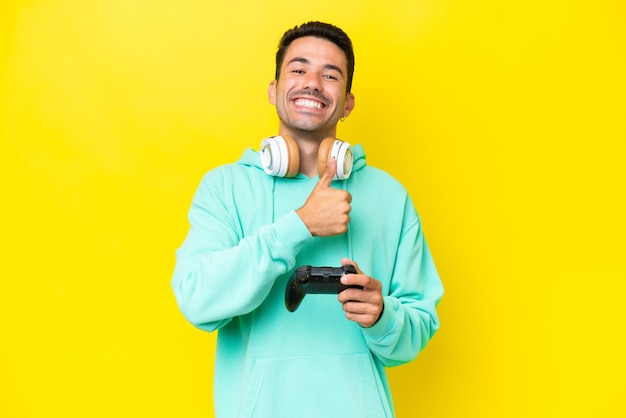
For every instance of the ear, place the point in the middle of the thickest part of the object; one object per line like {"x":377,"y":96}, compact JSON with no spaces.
{"x":347,"y":109}
{"x":271,"y":93}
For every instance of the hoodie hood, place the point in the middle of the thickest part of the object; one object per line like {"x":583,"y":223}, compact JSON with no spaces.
{"x":252,"y":158}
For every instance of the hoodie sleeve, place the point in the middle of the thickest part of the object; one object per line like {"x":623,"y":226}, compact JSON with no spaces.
{"x":219,"y":274}
{"x":409,"y":318}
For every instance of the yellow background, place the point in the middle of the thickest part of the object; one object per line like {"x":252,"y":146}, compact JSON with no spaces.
{"x":505,"y":120}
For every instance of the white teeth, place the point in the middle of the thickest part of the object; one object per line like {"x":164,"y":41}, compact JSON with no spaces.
{"x":308,"y":103}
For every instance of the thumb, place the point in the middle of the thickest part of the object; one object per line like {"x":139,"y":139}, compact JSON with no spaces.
{"x":329,"y":173}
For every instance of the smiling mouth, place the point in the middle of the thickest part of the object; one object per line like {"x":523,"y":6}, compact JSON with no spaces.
{"x":309,"y":104}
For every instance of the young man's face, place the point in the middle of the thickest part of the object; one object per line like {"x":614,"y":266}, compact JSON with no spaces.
{"x":310,"y":95}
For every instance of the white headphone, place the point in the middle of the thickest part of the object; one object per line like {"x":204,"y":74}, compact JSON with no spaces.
{"x":280,"y":156}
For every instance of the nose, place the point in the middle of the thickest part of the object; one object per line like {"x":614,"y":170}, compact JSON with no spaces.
{"x":313,"y":81}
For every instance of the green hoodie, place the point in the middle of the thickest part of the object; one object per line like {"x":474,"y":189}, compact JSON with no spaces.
{"x":231,"y":271}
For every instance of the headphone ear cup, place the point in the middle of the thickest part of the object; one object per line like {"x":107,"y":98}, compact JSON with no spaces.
{"x":280,"y":156}
{"x":293,"y":165}
{"x":323,"y":153}
{"x":341,"y":151}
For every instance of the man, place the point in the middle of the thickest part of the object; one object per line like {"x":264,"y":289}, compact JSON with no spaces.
{"x":250,"y":231}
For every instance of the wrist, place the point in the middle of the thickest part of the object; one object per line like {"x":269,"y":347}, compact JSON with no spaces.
{"x":304,"y":217}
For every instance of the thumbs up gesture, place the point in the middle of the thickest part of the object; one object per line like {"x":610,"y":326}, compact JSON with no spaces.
{"x":326,"y":211}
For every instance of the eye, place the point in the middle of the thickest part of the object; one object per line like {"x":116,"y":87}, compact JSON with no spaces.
{"x":298,"y":71}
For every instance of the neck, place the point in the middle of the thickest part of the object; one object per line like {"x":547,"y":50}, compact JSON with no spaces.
{"x":308,"y":157}
{"x":308,"y":144}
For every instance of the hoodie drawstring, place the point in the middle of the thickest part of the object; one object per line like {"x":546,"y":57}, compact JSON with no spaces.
{"x":273,"y":199}
{"x":348,"y":232}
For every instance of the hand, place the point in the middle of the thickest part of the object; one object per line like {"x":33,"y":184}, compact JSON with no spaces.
{"x":363,"y":306}
{"x":326,"y":211}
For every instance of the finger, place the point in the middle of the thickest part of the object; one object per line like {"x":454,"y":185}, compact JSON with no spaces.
{"x":357,"y":307}
{"x":352,"y":295}
{"x":365,"y":320}
{"x":345,"y":261}
{"x":355,"y":279}
{"x":329,"y":173}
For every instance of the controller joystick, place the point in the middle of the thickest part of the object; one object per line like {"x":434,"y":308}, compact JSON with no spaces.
{"x":315,"y":280}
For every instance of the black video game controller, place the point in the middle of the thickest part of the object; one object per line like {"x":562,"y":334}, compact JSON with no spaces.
{"x":321,"y":280}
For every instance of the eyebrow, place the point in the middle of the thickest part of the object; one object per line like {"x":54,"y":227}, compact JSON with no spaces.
{"x":306,"y":61}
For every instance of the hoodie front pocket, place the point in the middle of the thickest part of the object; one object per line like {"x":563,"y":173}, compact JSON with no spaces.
{"x":316,"y":386}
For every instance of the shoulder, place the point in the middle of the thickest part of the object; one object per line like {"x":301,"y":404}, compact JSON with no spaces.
{"x":229,"y":182}
{"x":377,"y":180}
{"x":247,"y":166}
{"x":383,"y":194}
